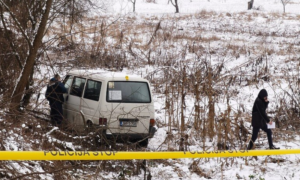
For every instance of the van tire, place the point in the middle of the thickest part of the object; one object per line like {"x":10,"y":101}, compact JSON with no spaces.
{"x":89,"y":126}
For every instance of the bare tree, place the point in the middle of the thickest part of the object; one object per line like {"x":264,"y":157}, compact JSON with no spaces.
{"x":133,"y":4}
{"x":23,"y":27}
{"x":250,"y":4}
{"x":33,"y":49}
{"x":175,"y":4}
{"x":284,"y":3}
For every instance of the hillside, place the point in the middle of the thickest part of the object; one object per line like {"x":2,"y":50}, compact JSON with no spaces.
{"x":219,"y":55}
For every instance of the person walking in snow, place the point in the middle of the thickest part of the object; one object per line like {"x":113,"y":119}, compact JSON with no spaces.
{"x":54,"y":95}
{"x":260,"y":119}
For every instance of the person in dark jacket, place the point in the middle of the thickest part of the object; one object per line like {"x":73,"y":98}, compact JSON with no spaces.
{"x":54,"y":95}
{"x":260,"y":119}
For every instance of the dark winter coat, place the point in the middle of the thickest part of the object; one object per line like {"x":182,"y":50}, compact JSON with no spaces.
{"x":259,"y":115}
{"x":54,"y":92}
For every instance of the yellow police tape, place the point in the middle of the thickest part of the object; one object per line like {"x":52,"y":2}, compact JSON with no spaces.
{"x":121,"y":155}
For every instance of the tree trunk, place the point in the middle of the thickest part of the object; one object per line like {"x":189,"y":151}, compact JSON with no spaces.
{"x":250,"y":4}
{"x":28,"y":68}
{"x":133,"y":4}
{"x":175,"y":4}
{"x":29,"y":91}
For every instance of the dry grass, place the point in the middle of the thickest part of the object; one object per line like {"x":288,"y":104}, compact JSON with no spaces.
{"x":205,"y":14}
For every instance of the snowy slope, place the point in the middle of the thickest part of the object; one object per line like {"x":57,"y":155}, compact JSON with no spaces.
{"x":194,"y":6}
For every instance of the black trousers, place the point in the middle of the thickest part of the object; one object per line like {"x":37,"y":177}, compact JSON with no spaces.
{"x":255,"y":131}
{"x":56,"y":113}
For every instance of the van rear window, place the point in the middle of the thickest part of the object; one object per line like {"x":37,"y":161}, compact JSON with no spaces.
{"x":128,"y":92}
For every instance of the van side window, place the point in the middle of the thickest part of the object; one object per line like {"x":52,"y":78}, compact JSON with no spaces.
{"x":67,"y":82}
{"x":77,"y":86}
{"x":92,"y":90}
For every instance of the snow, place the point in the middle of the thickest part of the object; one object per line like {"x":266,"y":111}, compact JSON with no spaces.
{"x":194,"y":6}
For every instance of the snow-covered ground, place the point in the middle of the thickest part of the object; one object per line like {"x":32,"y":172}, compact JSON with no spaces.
{"x":194,"y":6}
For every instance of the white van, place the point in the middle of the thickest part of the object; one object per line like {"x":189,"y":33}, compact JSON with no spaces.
{"x":120,"y":104}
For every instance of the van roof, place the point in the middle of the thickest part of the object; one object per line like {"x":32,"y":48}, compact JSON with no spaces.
{"x":105,"y":75}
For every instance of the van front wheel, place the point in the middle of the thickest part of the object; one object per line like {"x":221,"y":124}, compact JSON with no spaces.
{"x":89,"y":127}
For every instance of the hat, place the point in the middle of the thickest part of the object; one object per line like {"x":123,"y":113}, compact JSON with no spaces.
{"x":52,"y":80}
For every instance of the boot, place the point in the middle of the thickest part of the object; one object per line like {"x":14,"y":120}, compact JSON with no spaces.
{"x":273,"y":147}
{"x":250,"y":147}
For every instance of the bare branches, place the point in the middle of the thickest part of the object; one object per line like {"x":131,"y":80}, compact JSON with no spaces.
{"x":17,"y":56}
{"x":17,"y":23}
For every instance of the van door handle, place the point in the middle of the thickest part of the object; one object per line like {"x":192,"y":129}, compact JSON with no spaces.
{"x":67,"y":98}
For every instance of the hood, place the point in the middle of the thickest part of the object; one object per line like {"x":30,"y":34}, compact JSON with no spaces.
{"x":53,"y":80}
{"x":263,"y":93}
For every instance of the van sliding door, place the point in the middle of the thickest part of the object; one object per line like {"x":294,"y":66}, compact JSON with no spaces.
{"x":74,"y":102}
{"x":90,"y":103}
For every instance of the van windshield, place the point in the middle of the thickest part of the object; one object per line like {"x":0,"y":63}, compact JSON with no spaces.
{"x":128,"y":92}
